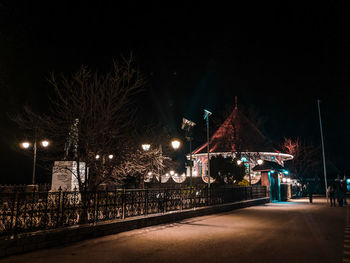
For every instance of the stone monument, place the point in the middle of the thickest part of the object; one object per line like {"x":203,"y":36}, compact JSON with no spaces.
{"x":65,"y":173}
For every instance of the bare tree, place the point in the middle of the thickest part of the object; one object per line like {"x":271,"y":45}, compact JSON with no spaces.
{"x":305,"y":160}
{"x":92,"y":115}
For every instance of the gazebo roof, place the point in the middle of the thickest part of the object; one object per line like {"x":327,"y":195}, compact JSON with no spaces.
{"x":237,"y":134}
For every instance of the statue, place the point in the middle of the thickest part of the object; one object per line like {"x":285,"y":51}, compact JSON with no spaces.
{"x":72,"y":140}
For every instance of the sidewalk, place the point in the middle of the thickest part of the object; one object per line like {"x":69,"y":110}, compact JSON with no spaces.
{"x":287,"y":232}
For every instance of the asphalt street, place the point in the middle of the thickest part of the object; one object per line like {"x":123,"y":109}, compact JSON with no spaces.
{"x":294,"y":231}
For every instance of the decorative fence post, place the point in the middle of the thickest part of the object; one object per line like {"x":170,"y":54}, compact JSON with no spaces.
{"x":123,"y":203}
{"x":97,"y":200}
{"x":207,"y":195}
{"x":59,"y":207}
{"x":146,"y":201}
{"x":14,"y":201}
{"x":165,"y":200}
{"x":32,"y":209}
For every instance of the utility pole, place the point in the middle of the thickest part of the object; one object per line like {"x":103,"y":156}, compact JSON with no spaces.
{"x":188,"y":125}
{"x":34,"y":160}
{"x":160,"y":170}
{"x":206,"y":116}
{"x":323,"y":154}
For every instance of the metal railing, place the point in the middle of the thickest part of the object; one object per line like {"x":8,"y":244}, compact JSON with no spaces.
{"x":26,"y":212}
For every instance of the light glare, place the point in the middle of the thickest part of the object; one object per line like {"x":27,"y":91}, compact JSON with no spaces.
{"x":25,"y":145}
{"x":45,"y":143}
{"x":175,"y":144}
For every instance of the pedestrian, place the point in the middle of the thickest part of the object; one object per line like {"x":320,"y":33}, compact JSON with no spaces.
{"x":331,"y":191}
{"x":341,"y":195}
{"x":336,"y":192}
{"x":309,"y":191}
{"x":344,"y":187}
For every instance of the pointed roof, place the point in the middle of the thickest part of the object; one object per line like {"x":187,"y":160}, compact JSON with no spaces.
{"x":237,"y":134}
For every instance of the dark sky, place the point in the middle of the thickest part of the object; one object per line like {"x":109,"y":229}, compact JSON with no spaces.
{"x":278,"y":58}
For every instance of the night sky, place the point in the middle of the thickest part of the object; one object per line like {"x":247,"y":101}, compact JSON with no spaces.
{"x":278,"y":58}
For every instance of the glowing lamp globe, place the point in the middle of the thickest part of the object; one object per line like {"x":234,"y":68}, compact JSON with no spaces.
{"x":260,"y":161}
{"x":25,"y":145}
{"x":175,"y":144}
{"x":45,"y":143}
{"x":146,"y":147}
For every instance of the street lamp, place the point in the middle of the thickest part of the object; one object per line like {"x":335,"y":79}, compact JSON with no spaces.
{"x":206,"y":117}
{"x":26,"y":145}
{"x":174,"y":143}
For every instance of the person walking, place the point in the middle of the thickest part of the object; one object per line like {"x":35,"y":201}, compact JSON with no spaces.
{"x":309,"y":191}
{"x":330,"y":191}
{"x":344,"y":187}
{"x":337,"y":191}
{"x":341,"y":195}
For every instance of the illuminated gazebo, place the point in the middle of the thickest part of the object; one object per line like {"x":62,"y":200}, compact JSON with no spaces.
{"x":240,"y":138}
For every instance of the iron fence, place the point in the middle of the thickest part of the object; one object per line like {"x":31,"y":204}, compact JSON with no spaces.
{"x":25,"y":212}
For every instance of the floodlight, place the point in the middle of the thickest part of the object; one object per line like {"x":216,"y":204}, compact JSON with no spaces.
{"x":207,"y":114}
{"x":187,"y":124}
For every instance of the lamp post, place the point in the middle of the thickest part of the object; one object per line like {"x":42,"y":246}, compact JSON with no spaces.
{"x":26,"y":145}
{"x":160,"y":170}
{"x":206,"y":117}
{"x":187,"y":125}
{"x":323,"y":154}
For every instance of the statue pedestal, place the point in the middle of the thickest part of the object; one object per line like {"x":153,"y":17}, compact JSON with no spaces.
{"x":65,"y":175}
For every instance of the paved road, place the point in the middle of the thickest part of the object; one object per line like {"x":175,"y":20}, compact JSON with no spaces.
{"x":277,"y":232}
